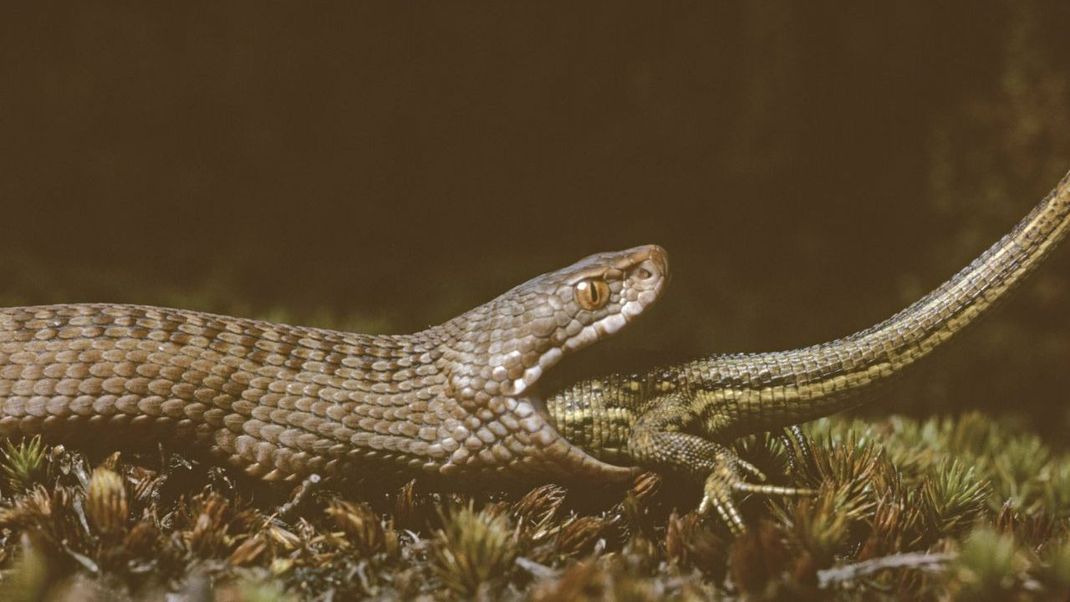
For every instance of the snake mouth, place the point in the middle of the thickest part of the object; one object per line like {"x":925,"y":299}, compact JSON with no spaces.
{"x":569,"y":461}
{"x":644,"y":273}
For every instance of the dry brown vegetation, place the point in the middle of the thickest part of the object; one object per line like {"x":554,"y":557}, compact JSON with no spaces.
{"x":965,"y":508}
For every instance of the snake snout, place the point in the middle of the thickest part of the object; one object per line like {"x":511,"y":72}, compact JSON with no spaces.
{"x":658,"y":259}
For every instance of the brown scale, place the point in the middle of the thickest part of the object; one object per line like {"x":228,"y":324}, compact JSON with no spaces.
{"x":283,"y":402}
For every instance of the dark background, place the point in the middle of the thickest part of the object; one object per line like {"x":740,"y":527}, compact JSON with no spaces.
{"x":811,"y":167}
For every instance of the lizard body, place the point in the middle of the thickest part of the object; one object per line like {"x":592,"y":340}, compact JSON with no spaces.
{"x":681,"y":418}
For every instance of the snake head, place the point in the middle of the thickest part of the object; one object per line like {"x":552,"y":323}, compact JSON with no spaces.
{"x":503,"y":347}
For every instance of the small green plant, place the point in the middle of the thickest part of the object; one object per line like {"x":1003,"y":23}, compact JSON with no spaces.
{"x":952,"y":499}
{"x":25,"y":464}
{"x":473,"y":550}
{"x":364,"y":530}
{"x":990,"y":566}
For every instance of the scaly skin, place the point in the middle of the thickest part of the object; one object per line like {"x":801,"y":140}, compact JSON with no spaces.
{"x":681,"y":418}
{"x":282,"y":402}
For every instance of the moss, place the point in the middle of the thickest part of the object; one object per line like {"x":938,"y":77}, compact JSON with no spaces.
{"x":992,"y":497}
{"x":24,"y":464}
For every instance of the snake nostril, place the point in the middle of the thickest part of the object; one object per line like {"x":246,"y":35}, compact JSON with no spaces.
{"x":656,"y":262}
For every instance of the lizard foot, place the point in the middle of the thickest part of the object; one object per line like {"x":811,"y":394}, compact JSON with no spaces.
{"x":800,"y":456}
{"x":726,"y":480}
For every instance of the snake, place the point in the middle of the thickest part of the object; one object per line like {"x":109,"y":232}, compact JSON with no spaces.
{"x":279,"y":402}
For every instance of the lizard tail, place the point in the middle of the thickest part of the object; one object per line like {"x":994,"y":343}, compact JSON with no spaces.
{"x":771,"y":390}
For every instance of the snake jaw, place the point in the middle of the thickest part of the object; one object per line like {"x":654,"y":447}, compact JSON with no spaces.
{"x":505,"y":346}
{"x":500,"y":351}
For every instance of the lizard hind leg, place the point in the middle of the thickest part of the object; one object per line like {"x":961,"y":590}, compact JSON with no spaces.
{"x":658,"y":441}
{"x":726,"y":480}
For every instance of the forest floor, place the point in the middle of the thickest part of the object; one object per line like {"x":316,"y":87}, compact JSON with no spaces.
{"x":953,"y":508}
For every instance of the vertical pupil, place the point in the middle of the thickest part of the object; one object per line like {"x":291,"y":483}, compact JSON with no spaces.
{"x":592,"y":294}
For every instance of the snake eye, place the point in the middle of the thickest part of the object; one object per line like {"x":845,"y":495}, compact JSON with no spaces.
{"x":592,"y":293}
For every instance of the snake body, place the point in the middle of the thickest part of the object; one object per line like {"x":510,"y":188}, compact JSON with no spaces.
{"x":282,"y":402}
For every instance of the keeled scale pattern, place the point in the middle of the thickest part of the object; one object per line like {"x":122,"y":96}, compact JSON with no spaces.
{"x":283,"y":401}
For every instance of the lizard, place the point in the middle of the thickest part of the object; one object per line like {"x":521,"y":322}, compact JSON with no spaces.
{"x":682,"y":418}
{"x":457,"y":401}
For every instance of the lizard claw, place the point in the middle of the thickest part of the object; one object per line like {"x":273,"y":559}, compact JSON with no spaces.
{"x":719,"y":499}
{"x":751,"y":469}
{"x":800,"y":456}
{"x":718,"y":491}
{"x":725,"y":481}
{"x":773,"y":490}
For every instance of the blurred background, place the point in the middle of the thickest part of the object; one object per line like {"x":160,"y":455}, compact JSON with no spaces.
{"x":811,"y":167}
